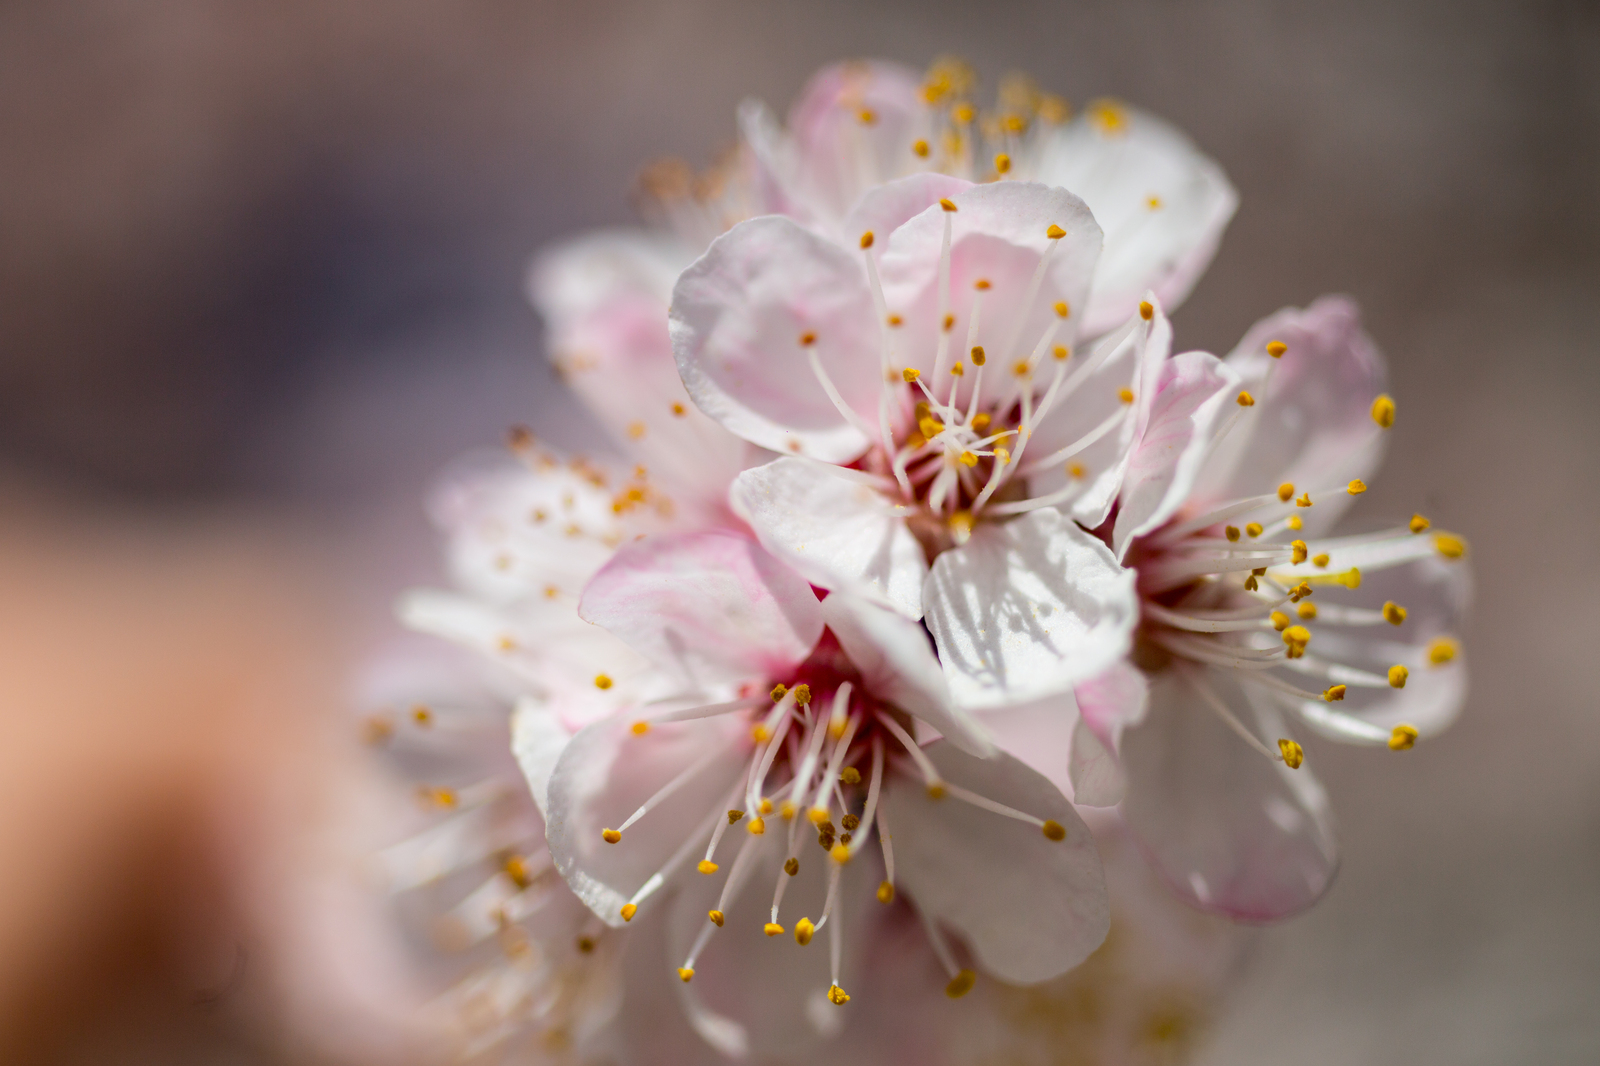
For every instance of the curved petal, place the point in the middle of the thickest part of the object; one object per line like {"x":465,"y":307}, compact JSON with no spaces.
{"x":715,"y":605}
{"x":607,"y":772}
{"x":1228,"y":829}
{"x":885,"y":208}
{"x":1029,"y":907}
{"x":1039,"y":735}
{"x":1162,"y":203}
{"x":897,"y":665}
{"x":999,"y":234}
{"x":1312,"y":423}
{"x":739,"y":318}
{"x":1027,"y":609}
{"x":1107,"y":704}
{"x":835,"y":528}
{"x":1191,"y":391}
{"x":538,"y":738}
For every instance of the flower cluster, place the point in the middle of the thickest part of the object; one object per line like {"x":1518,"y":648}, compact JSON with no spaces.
{"x":926,"y":547}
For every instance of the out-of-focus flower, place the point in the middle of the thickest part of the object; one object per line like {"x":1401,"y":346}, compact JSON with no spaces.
{"x":981,"y":844}
{"x":1250,"y":610}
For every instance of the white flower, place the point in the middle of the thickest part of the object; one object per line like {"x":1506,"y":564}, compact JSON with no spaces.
{"x":1251,"y":610}
{"x":694,"y":802}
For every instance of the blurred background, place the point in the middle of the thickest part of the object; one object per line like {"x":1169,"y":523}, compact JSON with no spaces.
{"x":261,"y":279}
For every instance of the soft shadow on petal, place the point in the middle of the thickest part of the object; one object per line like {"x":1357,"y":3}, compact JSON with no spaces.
{"x":1108,"y":704}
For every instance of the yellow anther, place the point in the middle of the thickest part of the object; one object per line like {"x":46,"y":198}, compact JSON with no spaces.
{"x":1231,"y":532}
{"x":1053,"y":830}
{"x":910,"y":374}
{"x":679,"y":410}
{"x":949,"y":323}
{"x":1442,"y":650}
{"x":1002,"y":163}
{"x":1333,"y":693}
{"x":1295,"y":639}
{"x":1307,"y":611}
{"x":807,"y":339}
{"x":629,"y":910}
{"x":1303,"y":500}
{"x":639,"y":729}
{"x":734,"y":816}
{"x":1383,"y":411}
{"x":802,"y":694}
{"x":958,"y":371}
{"x":717,"y":918}
{"x":866,"y":116}
{"x":422,"y":716}
{"x":1298,"y":551}
{"x":1276,"y":349}
{"x":894,"y":321}
{"x":791,"y":866}
{"x":1063,"y":309}
{"x":516,"y":868}
{"x":551,"y":592}
{"x":1350,"y":579}
{"x":685,"y":973}
{"x":1393,"y":613}
{"x":866,"y":239}
{"x":1449,"y":545}
{"x":1015,"y":123}
{"x":766,"y":806}
{"x":936,"y":790}
{"x":610,"y":836}
{"x":818,"y":815}
{"x":1002,"y":456}
{"x":787,"y":810}
{"x":772,"y":929}
{"x":982,"y":285}
{"x":803,"y":930}
{"x":1398,"y":675}
{"x":963,"y":113}
{"x":1055,"y":233}
{"x":840,"y":853}
{"x":850,"y":822}
{"x":1062,"y":353}
{"x":838,"y":996}
{"x":1246,"y":400}
{"x":757,"y":826}
{"x":1253,"y":529}
{"x":850,"y":776}
{"x":1356,"y":487}
{"x":1293,"y":754}
{"x":968,"y":459}
{"x":585,"y":944}
{"x":947,"y":204}
{"x":885,"y":892}
{"x":439,"y":797}
{"x":1403,"y":738}
{"x":635,"y":430}
{"x":1146,"y":310}
{"x":1286,"y":491}
{"x":760,"y":733}
{"x":1320,"y":560}
{"x":1021,"y":368}
{"x":707,"y":867}
{"x":1419,"y":524}
{"x":1251,"y":584}
{"x":1109,"y":117}
{"x":920,"y":148}
{"x":1125,"y":395}
{"x":602,"y":682}
{"x":1295,"y":522}
{"x":980,"y":422}
{"x":978,"y":356}
{"x":1280,"y":621}
{"x":778,"y":692}
{"x":961,"y":984}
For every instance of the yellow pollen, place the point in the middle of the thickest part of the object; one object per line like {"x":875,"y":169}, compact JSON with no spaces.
{"x":838,"y":996}
{"x":949,"y":323}
{"x":963,"y":113}
{"x":757,"y":826}
{"x":1298,"y":551}
{"x":1320,"y":559}
{"x":1276,"y":349}
{"x":734,"y":816}
{"x":1021,"y":368}
{"x":1383,"y":411}
{"x":850,"y":822}
{"x":1063,"y":309}
{"x":929,"y":426}
{"x":850,"y":776}
{"x":1015,"y":123}
{"x":1125,"y":395}
{"x":1002,"y":456}
{"x":635,"y":430}
{"x":1333,"y":693}
{"x":610,"y":836}
{"x":707,"y":867}
{"x":602,"y":682}
{"x":1442,"y":650}
{"x":1350,"y":579}
{"x":947,"y":204}
{"x":840,"y":853}
{"x":968,"y":459}
{"x":910,"y":374}
{"x":772,"y":929}
{"x":803,"y":930}
{"x":1280,"y":621}
{"x":1304,"y":500}
{"x":867,"y":116}
{"x":1062,"y":353}
{"x":894,"y":320}
{"x":1231,"y":532}
{"x":1356,"y":487}
{"x":1053,"y":830}
{"x":885,"y":892}
{"x":585,"y":944}
{"x":1449,"y":545}
{"x":958,"y":371}
{"x":982,"y":285}
{"x":980,"y":421}
{"x":936,"y":791}
{"x":766,"y":806}
{"x":717,"y":918}
{"x":440,"y":797}
{"x":802,"y":694}
{"x":422,"y":716}
{"x":1307,"y":611}
{"x":807,"y":339}
{"x":787,"y":810}
{"x":1296,"y":523}
{"x":640,"y":728}
{"x":1419,"y":524}
{"x":818,"y":815}
{"x":678,"y":410}
{"x":629,"y":910}
{"x":961,"y":984}
{"x":516,"y":869}
{"x":778,"y":692}
{"x":759,"y":733}
{"x":1253,"y":529}
{"x":1393,"y":613}
{"x":1286,"y":491}
{"x":1055,"y":233}
{"x":791,"y":866}
{"x":920,"y":147}
{"x":1002,"y":163}
{"x":506,"y":643}
{"x":1146,"y":310}
{"x":1295,"y":638}
{"x":1398,"y":675}
{"x":866,"y":239}
{"x":1404,"y":737}
{"x":1293,"y":754}
{"x":1076,"y":471}
{"x":685,"y":973}
{"x":1246,"y":400}
{"x":978,"y":356}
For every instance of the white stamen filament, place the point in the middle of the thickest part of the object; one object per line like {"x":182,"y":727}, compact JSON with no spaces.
{"x":930,"y":773}
{"x":944,"y":299}
{"x":849,"y":413}
{"x":1215,"y":703}
{"x":874,"y":783}
{"x":693,"y":771}
{"x":985,"y":803}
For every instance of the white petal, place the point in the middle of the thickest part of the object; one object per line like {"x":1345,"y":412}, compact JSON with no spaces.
{"x":738,"y":316}
{"x":835,"y":529}
{"x":1029,"y":907}
{"x":898,"y":666}
{"x":1027,"y":609}
{"x":1108,"y":703}
{"x":1039,"y":734}
{"x":538,"y":738}
{"x":715,"y":606}
{"x":885,"y":208}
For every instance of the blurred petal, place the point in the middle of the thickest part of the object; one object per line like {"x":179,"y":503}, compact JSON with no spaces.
{"x":887,"y":207}
{"x":537,"y":740}
{"x":1107,"y":704}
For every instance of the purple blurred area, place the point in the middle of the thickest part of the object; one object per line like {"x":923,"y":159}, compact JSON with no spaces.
{"x":261,"y":276}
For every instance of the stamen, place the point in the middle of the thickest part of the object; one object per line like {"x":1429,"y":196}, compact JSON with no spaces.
{"x":1293,"y":754}
{"x":1398,"y":675}
{"x":1214,"y":701}
{"x":667,"y":790}
{"x":984,"y":802}
{"x":930,"y":773}
{"x":1404,"y":737}
{"x":1383,"y":411}
{"x":868,"y":813}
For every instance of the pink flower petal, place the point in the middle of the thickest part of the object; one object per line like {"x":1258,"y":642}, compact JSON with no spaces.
{"x":1107,"y":704}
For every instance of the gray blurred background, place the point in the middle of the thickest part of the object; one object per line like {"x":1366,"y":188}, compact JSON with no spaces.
{"x":260,"y":279}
